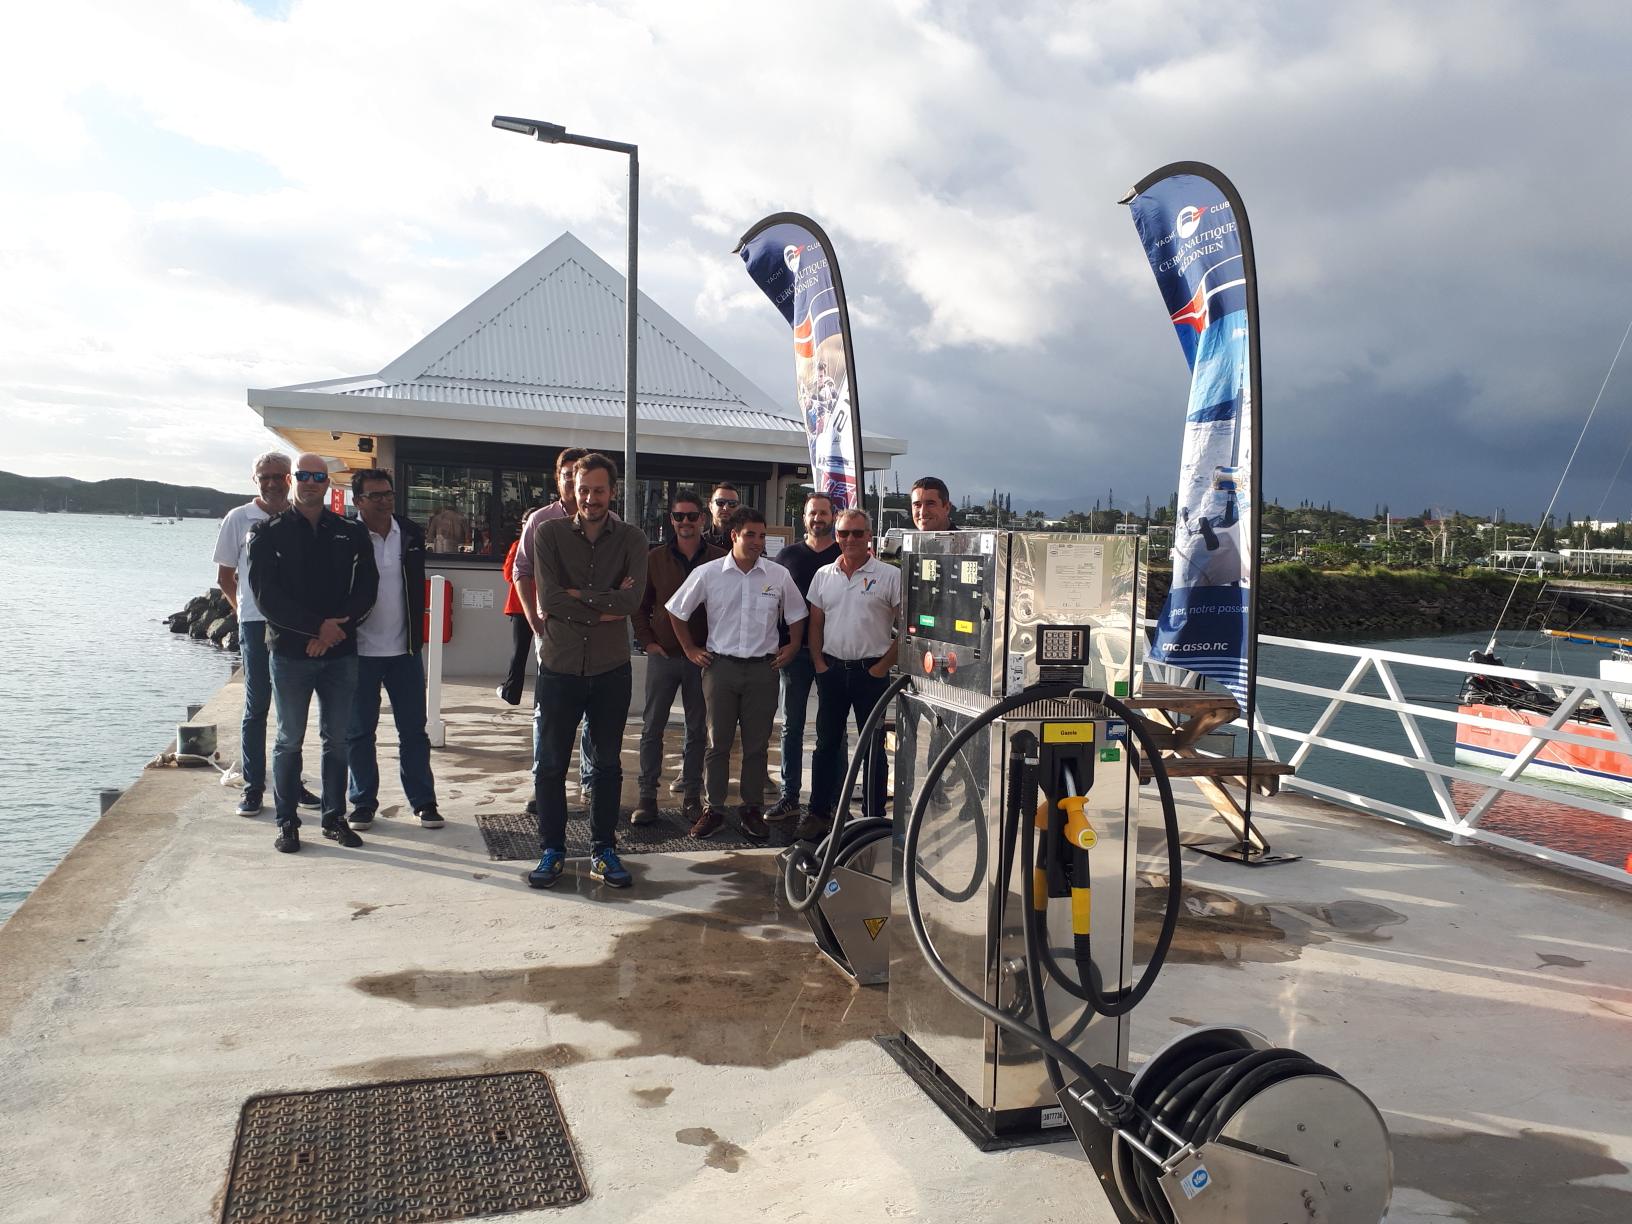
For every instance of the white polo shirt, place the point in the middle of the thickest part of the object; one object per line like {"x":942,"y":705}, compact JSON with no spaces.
{"x":743,"y":608}
{"x":858,"y":610}
{"x":232,"y":548}
{"x":383,"y":633}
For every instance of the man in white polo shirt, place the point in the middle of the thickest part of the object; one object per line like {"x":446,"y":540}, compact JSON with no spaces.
{"x":854,"y":605}
{"x":744,"y":596}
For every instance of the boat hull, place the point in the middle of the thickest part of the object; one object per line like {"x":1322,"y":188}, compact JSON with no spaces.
{"x":1603,"y":768}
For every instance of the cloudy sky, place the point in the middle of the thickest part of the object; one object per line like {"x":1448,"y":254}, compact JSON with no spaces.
{"x":205,"y":195}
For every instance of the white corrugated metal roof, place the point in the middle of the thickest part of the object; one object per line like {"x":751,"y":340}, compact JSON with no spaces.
{"x":426,"y":391}
{"x":548,"y":338}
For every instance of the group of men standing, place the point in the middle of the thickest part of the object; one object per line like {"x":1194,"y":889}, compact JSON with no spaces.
{"x":331,"y":607}
{"x":334,"y":607}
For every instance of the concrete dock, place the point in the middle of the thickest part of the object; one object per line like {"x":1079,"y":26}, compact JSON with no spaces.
{"x":710,"y":1065}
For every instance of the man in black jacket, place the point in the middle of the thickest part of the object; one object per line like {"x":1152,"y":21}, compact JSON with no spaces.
{"x":314,"y":579}
{"x":388,"y":645}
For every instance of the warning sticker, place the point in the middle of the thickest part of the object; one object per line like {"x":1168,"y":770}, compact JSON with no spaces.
{"x":874,"y":925}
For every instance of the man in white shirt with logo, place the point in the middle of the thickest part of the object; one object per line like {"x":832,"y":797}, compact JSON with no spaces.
{"x":854,"y":605}
{"x":272,"y":477}
{"x":388,"y":645}
{"x":744,"y":596}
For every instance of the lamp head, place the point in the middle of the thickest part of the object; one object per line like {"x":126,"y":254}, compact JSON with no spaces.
{"x":549,"y":133}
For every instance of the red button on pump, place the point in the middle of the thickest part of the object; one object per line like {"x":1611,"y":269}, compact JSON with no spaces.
{"x":951,"y":663}
{"x":929,"y":662}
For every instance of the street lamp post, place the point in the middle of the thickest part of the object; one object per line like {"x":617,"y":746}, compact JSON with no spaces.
{"x":554,"y":133}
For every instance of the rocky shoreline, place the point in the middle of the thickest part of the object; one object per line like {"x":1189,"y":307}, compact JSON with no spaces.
{"x":1344,"y":606}
{"x":207,"y":618}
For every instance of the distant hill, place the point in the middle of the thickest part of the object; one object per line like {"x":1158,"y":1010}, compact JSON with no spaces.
{"x":122,"y":495}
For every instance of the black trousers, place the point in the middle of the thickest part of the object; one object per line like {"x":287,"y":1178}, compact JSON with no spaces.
{"x":521,"y":639}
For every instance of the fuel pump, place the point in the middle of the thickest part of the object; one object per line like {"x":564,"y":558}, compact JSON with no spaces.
{"x":1013,"y":1004}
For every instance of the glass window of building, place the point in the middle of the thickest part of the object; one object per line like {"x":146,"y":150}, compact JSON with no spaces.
{"x":454,"y":505}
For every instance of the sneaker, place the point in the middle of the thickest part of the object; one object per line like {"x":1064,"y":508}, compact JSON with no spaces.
{"x":430,"y":818}
{"x":753,"y":824}
{"x":814,"y":827}
{"x":605,"y":867}
{"x":532,"y":808}
{"x":588,"y":798}
{"x":361,"y":818}
{"x":784,"y":808}
{"x":692,"y":810}
{"x":548,"y":870}
{"x":249,"y":804}
{"x":645,"y":811}
{"x":677,"y":786}
{"x":708,"y":823}
{"x":307,"y":799}
{"x":342,"y":834}
{"x":505,"y":697}
{"x":288,"y":840}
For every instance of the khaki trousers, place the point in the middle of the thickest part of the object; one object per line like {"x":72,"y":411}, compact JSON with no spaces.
{"x":738,"y":692}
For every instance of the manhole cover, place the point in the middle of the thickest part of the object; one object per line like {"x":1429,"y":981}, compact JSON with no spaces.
{"x":514,"y":835}
{"x":442,"y":1149}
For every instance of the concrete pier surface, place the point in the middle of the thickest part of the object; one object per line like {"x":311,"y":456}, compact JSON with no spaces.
{"x":710,"y":1065}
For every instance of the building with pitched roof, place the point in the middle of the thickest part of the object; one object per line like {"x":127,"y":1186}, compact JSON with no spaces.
{"x":471,"y":418}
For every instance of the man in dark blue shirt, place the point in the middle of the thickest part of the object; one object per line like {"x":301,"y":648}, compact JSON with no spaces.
{"x":314,"y":579}
{"x":802,"y":560}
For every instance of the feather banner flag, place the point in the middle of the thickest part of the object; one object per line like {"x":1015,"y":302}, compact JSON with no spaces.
{"x":1195,"y":234}
{"x":791,"y":260}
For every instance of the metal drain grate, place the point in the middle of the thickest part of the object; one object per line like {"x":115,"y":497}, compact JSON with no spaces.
{"x":514,"y":835}
{"x":420,"y":1150}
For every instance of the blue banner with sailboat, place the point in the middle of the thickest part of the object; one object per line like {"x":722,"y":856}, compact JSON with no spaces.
{"x":1195,"y":235}
{"x":790,"y":259}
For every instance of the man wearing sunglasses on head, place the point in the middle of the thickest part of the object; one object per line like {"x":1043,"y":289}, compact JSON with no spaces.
{"x":667,"y":667}
{"x":724,"y":502}
{"x":314,"y":579}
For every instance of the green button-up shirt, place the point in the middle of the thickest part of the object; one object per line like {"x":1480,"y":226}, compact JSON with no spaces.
{"x":576,"y":641}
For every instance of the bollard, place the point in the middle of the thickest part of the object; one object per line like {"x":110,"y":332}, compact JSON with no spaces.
{"x":194,"y":740}
{"x":193,"y":707}
{"x":441,"y":589}
{"x":106,"y":798}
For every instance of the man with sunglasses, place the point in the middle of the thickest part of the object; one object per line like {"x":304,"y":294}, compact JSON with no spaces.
{"x":725,"y":499}
{"x":314,"y":578}
{"x":667,"y":667}
{"x":854,"y":605}
{"x":271,"y":473}
{"x":388,"y":646}
{"x":801,"y":559}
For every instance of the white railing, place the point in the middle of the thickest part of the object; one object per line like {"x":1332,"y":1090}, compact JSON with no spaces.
{"x":1461,"y":826}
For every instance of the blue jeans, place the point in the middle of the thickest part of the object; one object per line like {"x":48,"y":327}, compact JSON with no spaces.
{"x":257,"y":701}
{"x":403,"y":677}
{"x":293,"y":683}
{"x":797,"y":678}
{"x":586,"y":755}
{"x":560,"y":703}
{"x":845,"y":688}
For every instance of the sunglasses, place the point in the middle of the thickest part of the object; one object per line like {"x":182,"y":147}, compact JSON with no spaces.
{"x":850,"y":532}
{"x":685,"y":516}
{"x":724,"y":501}
{"x":318,"y":477}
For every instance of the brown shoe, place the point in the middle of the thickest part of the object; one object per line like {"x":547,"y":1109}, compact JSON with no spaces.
{"x":692,"y":810}
{"x":753,"y":824}
{"x":645,"y":811}
{"x":708,"y":823}
{"x":814,"y":827}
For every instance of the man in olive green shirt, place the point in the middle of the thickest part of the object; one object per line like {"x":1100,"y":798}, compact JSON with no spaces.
{"x":591,"y":574}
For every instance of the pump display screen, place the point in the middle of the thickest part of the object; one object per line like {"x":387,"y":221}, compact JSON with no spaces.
{"x":945,"y":598}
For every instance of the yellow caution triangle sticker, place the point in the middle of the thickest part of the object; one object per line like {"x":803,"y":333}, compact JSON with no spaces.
{"x":874,"y":925}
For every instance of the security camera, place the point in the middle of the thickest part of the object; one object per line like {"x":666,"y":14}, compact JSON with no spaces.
{"x":335,"y":435}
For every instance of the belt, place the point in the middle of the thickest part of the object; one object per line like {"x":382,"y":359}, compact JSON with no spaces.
{"x":764,"y":658}
{"x":850,"y":664}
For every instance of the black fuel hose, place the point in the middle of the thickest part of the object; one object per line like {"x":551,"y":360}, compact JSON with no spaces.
{"x":1089,"y":989}
{"x":801,"y":860}
{"x":1117,"y":1108}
